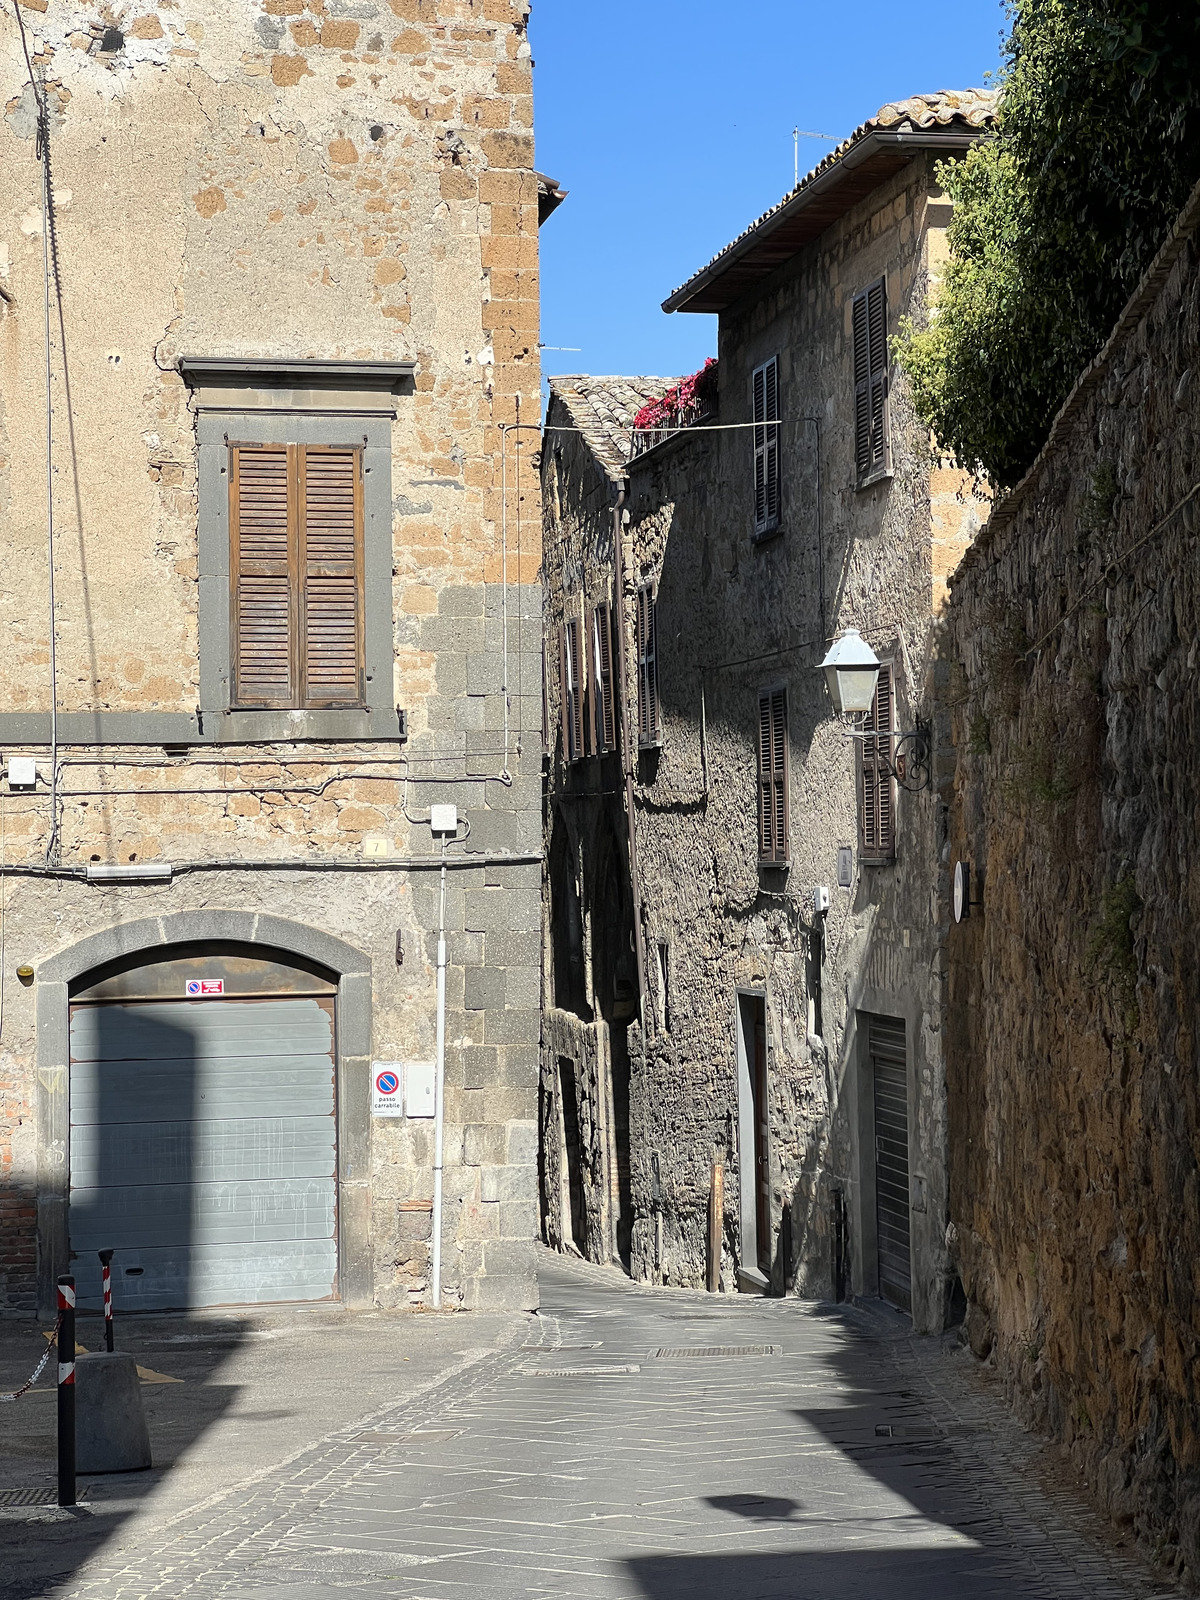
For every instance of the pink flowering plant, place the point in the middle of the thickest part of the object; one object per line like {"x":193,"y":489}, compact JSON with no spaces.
{"x":690,"y":398}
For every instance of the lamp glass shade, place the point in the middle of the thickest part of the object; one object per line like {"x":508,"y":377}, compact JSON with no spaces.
{"x":851,"y":671}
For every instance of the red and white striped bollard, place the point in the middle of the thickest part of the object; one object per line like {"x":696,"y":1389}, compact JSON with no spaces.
{"x":106,"y":1277}
{"x":66,"y":1390}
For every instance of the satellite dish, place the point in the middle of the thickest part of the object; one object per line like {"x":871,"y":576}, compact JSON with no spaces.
{"x":962,"y":890}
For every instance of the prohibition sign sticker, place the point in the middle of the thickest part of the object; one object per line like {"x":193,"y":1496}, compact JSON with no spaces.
{"x":386,"y":1097}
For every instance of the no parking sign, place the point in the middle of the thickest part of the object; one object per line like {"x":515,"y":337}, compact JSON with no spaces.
{"x":387,"y":1096}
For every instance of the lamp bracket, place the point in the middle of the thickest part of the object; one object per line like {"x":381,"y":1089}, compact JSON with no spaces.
{"x":908,"y":763}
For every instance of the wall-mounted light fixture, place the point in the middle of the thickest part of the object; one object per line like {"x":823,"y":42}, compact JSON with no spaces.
{"x":851,"y":671}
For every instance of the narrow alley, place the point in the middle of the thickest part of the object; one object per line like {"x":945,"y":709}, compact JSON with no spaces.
{"x":648,"y":1444}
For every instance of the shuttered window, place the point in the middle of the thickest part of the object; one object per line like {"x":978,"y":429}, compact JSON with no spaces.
{"x":773,"y":832}
{"x":765,"y":386}
{"x":604,"y":709}
{"x":649,"y":732}
{"x":877,"y":789}
{"x":571,"y":678}
{"x":296,"y":566}
{"x":871,"y":444}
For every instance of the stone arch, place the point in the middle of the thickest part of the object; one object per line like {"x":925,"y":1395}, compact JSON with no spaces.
{"x":153,"y":936}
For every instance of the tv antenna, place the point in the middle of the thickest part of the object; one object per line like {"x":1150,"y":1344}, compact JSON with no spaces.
{"x":804,"y":133}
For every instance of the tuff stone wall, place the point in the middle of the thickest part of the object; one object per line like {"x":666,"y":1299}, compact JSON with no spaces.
{"x":328,"y":180}
{"x":1069,"y":686}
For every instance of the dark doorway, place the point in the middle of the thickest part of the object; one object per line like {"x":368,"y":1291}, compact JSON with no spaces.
{"x":889,"y":1077}
{"x":619,"y":1046}
{"x":754,"y":1144}
{"x":762,"y":1135}
{"x":573,"y":1153}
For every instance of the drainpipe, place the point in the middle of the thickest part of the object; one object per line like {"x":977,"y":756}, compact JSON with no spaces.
{"x":439,"y":1091}
{"x":629,"y":760}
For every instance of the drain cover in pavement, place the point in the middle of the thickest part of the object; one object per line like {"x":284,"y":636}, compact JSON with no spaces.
{"x":686,"y":1352}
{"x":28,"y":1497}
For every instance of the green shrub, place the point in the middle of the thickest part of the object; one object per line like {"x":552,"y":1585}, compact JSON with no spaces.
{"x":1056,"y":216}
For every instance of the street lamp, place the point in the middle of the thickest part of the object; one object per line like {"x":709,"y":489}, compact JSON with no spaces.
{"x":851,"y":671}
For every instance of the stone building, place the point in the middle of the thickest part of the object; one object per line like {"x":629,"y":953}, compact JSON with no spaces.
{"x":283,"y":612}
{"x":1068,"y":685}
{"x":744,"y":951}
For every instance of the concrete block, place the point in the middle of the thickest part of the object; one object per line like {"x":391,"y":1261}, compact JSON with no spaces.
{"x":501,"y":1292}
{"x":512,"y":1027}
{"x":512,"y":949}
{"x":452,"y":674}
{"x":484,"y":987}
{"x":461,"y":600}
{"x":480,"y":1066}
{"x":110,"y":1424}
{"x":484,"y":674}
{"x":468,"y":714}
{"x":521,"y":1144}
{"x":519,"y":1066}
{"x":461,"y":635}
{"x":518,"y":1219}
{"x":483,"y":1145}
{"x":522,"y":987}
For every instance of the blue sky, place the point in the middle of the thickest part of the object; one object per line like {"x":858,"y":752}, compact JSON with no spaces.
{"x":670,"y":122}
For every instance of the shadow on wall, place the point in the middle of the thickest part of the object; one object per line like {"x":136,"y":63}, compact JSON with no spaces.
{"x":135,"y":1105}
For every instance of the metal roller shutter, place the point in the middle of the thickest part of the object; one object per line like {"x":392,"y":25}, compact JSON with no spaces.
{"x":889,"y":1070}
{"x":203,"y":1151}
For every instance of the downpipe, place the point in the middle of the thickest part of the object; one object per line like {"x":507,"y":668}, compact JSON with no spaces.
{"x":439,"y":1092}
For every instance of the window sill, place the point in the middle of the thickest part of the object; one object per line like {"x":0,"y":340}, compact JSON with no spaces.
{"x":883,"y":475}
{"x":765,"y":535}
{"x":876,"y":861}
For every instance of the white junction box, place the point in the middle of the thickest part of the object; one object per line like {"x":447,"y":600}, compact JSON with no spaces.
{"x":820,"y":899}
{"x":419,"y":1088}
{"x":443,"y":819}
{"x":22,"y":772}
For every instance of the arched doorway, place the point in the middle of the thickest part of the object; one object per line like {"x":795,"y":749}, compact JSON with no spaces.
{"x":203,"y":1129}
{"x":202,"y":1111}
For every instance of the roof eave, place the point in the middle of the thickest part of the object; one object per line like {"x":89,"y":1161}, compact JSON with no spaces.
{"x":870,"y":144}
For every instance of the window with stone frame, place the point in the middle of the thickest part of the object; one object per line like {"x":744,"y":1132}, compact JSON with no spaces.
{"x":649,"y":730}
{"x":774,"y":833}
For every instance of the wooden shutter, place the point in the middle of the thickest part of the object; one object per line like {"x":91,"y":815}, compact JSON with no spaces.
{"x":572,"y":691}
{"x":330,"y":566}
{"x":869,"y":317}
{"x":877,"y":791}
{"x":602,"y":678}
{"x":773,"y":832}
{"x":766,"y":445}
{"x":296,"y":526}
{"x":262,"y":540}
{"x":647,"y":648}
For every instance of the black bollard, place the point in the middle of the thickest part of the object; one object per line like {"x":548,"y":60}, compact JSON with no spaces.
{"x":66,"y":1391}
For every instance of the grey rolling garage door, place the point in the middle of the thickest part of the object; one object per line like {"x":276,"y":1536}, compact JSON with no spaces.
{"x":890,"y":1074}
{"x":203,"y":1151}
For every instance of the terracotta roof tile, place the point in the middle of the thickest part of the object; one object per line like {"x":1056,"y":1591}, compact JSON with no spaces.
{"x":603,"y":410}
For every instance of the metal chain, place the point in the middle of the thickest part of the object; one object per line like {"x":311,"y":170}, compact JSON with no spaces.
{"x":38,"y":1370}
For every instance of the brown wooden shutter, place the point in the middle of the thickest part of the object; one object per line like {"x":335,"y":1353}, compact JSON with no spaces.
{"x":877,"y":793}
{"x":765,"y":401}
{"x":296,"y":536}
{"x":647,"y":648}
{"x":573,"y":690}
{"x":605,"y":700}
{"x":773,"y":805}
{"x":869,"y":317}
{"x":564,"y":700}
{"x":262,"y":536}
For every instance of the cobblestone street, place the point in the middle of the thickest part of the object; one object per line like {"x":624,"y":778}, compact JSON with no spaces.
{"x":644,"y":1444}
